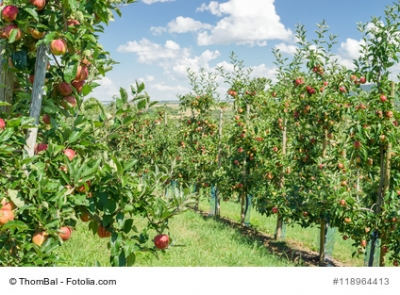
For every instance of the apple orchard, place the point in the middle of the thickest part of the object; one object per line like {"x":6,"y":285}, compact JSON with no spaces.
{"x":314,"y":148}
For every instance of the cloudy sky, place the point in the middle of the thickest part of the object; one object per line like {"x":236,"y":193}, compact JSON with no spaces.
{"x":155,"y":41}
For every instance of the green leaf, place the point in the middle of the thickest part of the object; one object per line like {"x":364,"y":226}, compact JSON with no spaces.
{"x":142,"y":104}
{"x":15,"y":198}
{"x":130,"y":260}
{"x":75,"y":135}
{"x":124,"y":95}
{"x":140,"y":87}
{"x":13,"y":35}
{"x":70,"y":71}
{"x":92,"y":169}
{"x":128,"y":225}
{"x":6,"y":134}
{"x":72,"y":4}
{"x":32,"y":12}
{"x":15,"y":224}
{"x":86,"y":89}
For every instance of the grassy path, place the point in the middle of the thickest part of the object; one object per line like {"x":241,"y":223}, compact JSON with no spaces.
{"x":197,"y":241}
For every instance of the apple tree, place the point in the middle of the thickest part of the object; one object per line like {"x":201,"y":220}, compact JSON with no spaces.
{"x":58,"y":164}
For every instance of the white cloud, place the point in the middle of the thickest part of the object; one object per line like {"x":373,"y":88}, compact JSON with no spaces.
{"x":147,"y":78}
{"x":284,"y":48}
{"x":149,"y":52}
{"x":155,"y":1}
{"x":180,"y":25}
{"x":251,"y":22}
{"x":194,"y":63}
{"x":213,"y":7}
{"x":349,"y":51}
{"x":263,"y":71}
{"x":350,"y":48}
{"x":170,"y":88}
{"x":106,"y":90}
{"x":171,"y":57}
{"x":157,"y":31}
{"x":186,"y":24}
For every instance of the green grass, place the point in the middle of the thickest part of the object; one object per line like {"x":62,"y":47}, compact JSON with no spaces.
{"x":303,"y":237}
{"x":200,"y":241}
{"x":197,"y":241}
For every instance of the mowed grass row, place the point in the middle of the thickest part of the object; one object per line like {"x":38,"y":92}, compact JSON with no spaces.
{"x":307,"y":238}
{"x":197,"y":241}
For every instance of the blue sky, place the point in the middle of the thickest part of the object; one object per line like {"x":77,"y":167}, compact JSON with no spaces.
{"x":155,"y":41}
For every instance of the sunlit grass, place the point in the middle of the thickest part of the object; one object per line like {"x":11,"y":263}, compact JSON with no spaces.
{"x":304,"y":237}
{"x":197,"y":241}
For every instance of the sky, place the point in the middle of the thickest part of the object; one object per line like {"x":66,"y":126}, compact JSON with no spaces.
{"x":156,"y":41}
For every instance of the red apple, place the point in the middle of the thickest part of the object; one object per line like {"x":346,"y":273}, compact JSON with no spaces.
{"x":357,"y":144}
{"x":39,"y":238}
{"x":68,"y":100}
{"x":36,"y":34}
{"x":83,"y":188}
{"x":70,"y":153}
{"x":72,"y":25}
{"x":362,"y":80}
{"x":41,"y":147}
{"x":383,"y":98}
{"x":7,"y":205}
{"x":9,"y":13}
{"x":85,"y":217}
{"x":305,"y":214}
{"x":78,"y":85}
{"x":342,"y":203}
{"x":363,"y":243}
{"x":347,"y":219}
{"x":299,"y":81}
{"x":342,"y":89}
{"x":40,"y":4}
{"x":274,"y":210}
{"x":161,"y":241}
{"x":8,"y":29}
{"x":31,"y":79}
{"x":65,"y":233}
{"x":6,"y":216}
{"x":345,"y":237}
{"x":389,"y":114}
{"x":46,"y":119}
{"x":64,"y":88}
{"x":103,"y":232}
{"x":82,"y":73}
{"x":58,"y":46}
{"x":2,"y":124}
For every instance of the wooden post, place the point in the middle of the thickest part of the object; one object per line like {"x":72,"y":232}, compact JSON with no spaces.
{"x":37,"y":97}
{"x":386,"y":184}
{"x":324,"y":225}
{"x":279,"y":223}
{"x":244,"y":191}
{"x":7,"y":80}
{"x":217,"y":204}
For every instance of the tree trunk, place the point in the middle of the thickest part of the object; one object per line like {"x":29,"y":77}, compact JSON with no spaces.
{"x":37,"y":97}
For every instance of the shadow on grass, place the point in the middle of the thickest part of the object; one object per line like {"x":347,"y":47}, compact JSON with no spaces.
{"x":284,"y":249}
